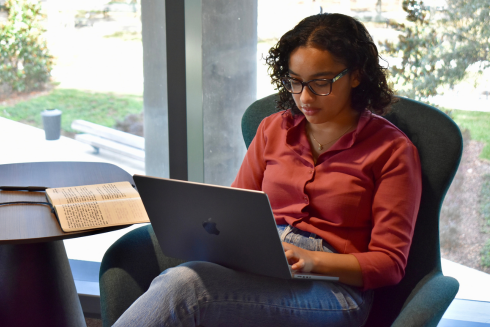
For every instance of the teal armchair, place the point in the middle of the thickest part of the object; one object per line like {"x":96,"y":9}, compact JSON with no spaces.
{"x":424,"y":294}
{"x":420,"y":299}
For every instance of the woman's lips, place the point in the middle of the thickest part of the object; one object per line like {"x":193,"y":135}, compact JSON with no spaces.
{"x":309,"y":111}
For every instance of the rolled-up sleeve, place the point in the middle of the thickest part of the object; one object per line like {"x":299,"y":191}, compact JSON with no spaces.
{"x":253,"y":166}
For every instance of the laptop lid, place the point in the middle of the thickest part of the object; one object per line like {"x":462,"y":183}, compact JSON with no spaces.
{"x":232,"y":227}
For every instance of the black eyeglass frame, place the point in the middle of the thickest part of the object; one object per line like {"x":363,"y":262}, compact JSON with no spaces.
{"x":286,"y":80}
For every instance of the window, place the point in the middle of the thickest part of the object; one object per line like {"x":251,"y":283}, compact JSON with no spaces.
{"x":99,"y":76}
{"x":96,"y":76}
{"x":465,"y":216}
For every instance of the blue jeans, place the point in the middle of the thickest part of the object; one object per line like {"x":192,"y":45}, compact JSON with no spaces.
{"x":206,"y":294}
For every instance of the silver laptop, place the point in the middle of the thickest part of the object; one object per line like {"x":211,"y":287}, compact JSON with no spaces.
{"x":231,"y":227}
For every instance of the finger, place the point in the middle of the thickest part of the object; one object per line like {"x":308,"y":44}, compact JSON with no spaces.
{"x":289,"y":254}
{"x":298,"y":265}
{"x":291,"y":257}
{"x":286,"y":246}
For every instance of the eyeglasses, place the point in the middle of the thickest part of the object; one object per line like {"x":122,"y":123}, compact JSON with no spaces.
{"x":320,"y":86}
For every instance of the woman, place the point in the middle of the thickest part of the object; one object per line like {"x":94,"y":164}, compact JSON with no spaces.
{"x":344,"y":185}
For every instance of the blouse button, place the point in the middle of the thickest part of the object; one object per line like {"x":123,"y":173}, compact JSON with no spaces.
{"x":306,"y":199}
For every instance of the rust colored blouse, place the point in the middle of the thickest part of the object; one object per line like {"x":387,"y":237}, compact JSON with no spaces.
{"x":362,"y":196}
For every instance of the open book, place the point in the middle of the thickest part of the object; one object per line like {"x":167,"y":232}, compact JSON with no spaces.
{"x":96,"y":206}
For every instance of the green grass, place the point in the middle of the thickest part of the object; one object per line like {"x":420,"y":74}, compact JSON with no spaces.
{"x":478,"y":123}
{"x":99,"y":108}
{"x":484,"y":200}
{"x":485,"y":255}
{"x":125,"y":35}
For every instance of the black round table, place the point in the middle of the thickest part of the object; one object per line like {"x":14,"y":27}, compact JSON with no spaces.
{"x":36,"y":283}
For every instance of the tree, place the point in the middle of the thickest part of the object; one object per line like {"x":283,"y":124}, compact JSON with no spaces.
{"x":25,"y":62}
{"x":437,"y":46}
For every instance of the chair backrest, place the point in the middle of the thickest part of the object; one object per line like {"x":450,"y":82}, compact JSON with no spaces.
{"x":440,"y":145}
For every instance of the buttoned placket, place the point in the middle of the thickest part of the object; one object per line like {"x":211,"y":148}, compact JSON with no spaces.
{"x":305,"y":155}
{"x":310,"y":175}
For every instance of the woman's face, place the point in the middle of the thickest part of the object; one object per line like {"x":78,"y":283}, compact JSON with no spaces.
{"x":307,"y":63}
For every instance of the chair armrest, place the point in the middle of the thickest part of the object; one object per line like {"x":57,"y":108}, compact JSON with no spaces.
{"x":127,"y":270}
{"x":428,"y":301}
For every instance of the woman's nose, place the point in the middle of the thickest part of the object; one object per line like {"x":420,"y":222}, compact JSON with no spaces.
{"x":306,"y":95}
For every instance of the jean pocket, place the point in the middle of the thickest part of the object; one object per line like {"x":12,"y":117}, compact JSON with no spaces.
{"x":319,"y":245}
{"x":324,"y":246}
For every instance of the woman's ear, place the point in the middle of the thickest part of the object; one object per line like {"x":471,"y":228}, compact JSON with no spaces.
{"x":355,"y":79}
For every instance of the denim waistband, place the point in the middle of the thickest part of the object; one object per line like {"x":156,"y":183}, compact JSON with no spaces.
{"x":305,"y":240}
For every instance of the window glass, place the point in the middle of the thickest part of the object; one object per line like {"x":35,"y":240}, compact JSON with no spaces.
{"x":93,"y":54}
{"x":465,"y":215}
{"x":83,"y":58}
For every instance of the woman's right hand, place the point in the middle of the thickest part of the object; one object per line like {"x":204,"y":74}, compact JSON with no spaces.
{"x":344,"y":266}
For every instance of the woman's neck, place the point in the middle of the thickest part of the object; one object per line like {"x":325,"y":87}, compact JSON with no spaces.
{"x":334,"y":127}
{"x":322,"y":136}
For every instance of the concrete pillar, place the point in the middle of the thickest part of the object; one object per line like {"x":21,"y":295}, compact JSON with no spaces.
{"x":195,"y":109}
{"x":229,"y":46}
{"x":155,"y":87}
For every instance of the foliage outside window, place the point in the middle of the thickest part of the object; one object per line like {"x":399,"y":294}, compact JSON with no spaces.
{"x":25,"y":63}
{"x":438,"y":45}
{"x":438,"y":49}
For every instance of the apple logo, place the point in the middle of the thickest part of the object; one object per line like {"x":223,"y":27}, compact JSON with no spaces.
{"x":210,"y":227}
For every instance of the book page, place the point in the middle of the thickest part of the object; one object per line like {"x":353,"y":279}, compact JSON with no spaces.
{"x":97,"y":206}
{"x":89,"y":193}
{"x":89,"y":215}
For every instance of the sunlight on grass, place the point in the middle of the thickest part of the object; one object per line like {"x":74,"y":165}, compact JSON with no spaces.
{"x":99,"y":108}
{"x":485,"y":212}
{"x":478,"y":123}
{"x":125,"y":35}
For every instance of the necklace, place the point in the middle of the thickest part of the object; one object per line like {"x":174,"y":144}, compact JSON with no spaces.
{"x":320,"y":146}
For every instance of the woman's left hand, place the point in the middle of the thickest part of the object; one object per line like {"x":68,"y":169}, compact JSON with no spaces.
{"x":298,"y":258}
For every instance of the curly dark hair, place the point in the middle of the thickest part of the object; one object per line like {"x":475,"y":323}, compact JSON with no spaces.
{"x":349,"y":42}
